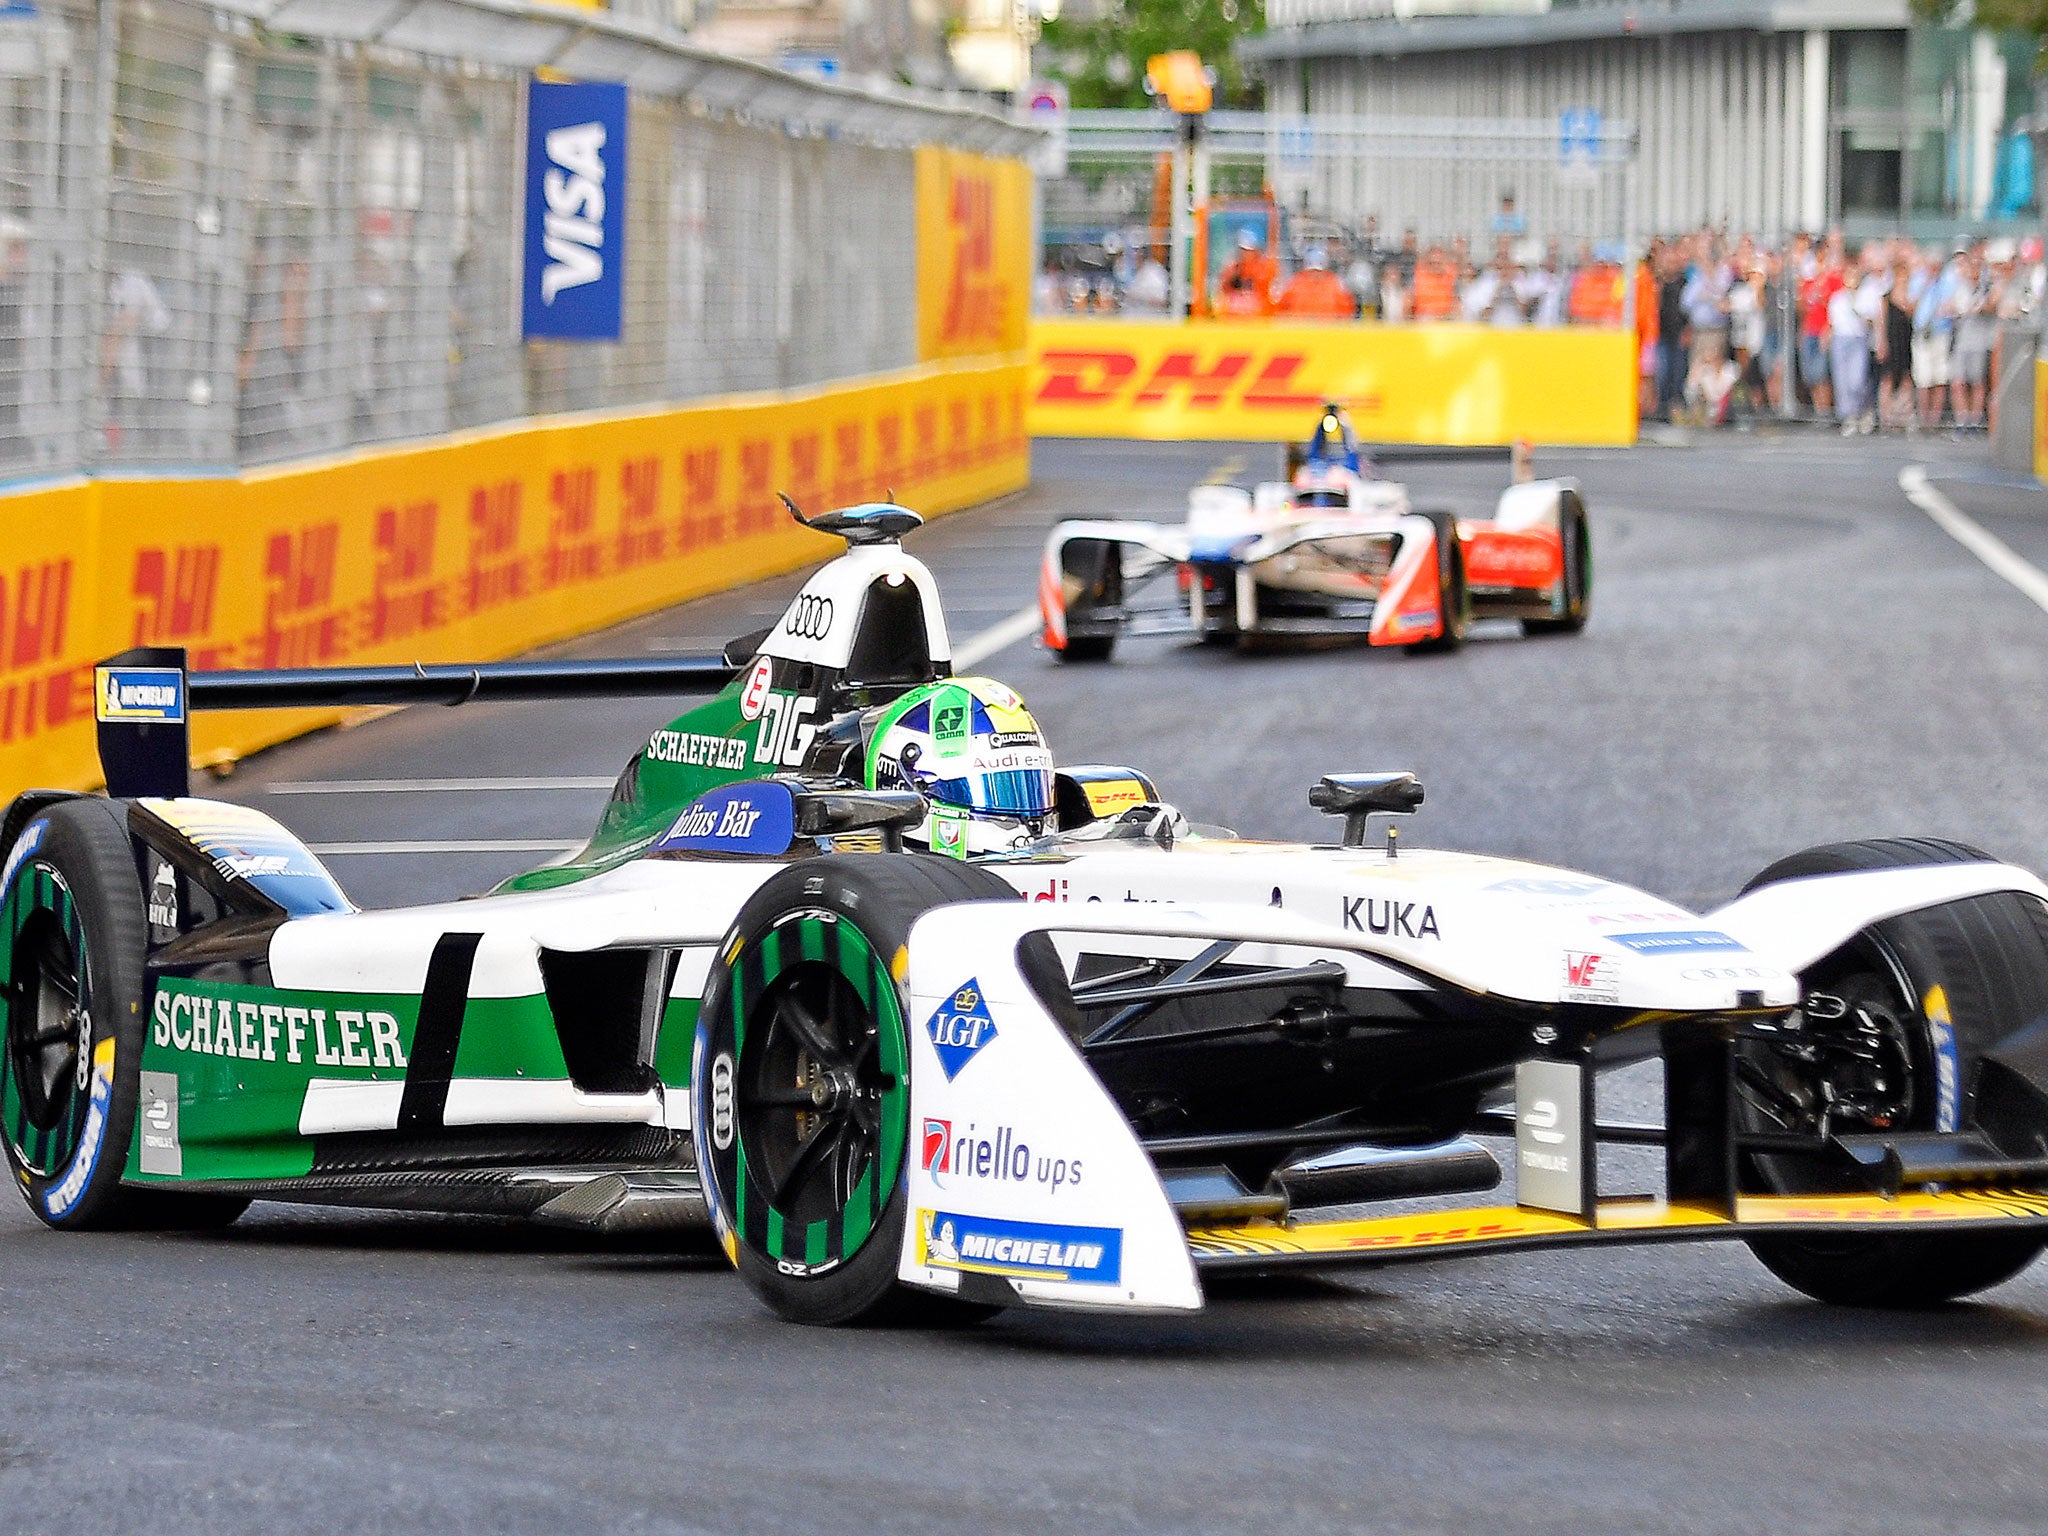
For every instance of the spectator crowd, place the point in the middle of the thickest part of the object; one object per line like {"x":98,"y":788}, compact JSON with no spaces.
{"x":1892,"y":336}
{"x":1887,"y":335}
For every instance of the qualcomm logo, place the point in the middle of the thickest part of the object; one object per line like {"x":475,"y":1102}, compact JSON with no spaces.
{"x":574,"y":231}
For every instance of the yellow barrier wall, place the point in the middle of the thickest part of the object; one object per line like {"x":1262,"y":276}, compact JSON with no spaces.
{"x":973,"y":254}
{"x":1451,"y":384}
{"x":2041,"y":418}
{"x":472,"y":547}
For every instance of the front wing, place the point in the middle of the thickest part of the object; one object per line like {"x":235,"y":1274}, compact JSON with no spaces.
{"x":1030,"y":1185}
{"x":1319,"y":1244}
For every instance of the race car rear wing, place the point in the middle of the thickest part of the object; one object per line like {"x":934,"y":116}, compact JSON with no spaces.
{"x":143,"y":698}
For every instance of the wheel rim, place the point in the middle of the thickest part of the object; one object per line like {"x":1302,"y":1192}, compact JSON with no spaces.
{"x":1864,"y":1070}
{"x":820,"y":1093}
{"x":810,"y":1094}
{"x":47,"y":993}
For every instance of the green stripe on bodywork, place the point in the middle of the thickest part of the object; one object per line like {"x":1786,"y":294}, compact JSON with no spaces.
{"x":676,"y":1042}
{"x":238,"y":1114}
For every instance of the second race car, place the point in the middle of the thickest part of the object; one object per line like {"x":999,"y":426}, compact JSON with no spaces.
{"x":1333,"y":551}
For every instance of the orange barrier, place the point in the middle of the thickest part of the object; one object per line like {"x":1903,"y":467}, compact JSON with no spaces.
{"x":472,"y":547}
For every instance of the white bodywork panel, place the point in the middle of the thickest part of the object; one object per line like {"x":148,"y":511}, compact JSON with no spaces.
{"x":821,"y":623}
{"x":1798,"y":922}
{"x":1487,"y":926}
{"x":1056,"y":1194}
{"x":1533,"y":504}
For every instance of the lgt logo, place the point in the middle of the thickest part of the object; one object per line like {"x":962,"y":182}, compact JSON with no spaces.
{"x":960,"y":1028}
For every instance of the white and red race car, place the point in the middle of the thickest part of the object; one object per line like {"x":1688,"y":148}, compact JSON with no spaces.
{"x":1332,"y":551}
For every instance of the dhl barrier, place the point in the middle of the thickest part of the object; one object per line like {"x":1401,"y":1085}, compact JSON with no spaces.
{"x":2041,"y":418}
{"x":1221,"y":380}
{"x":472,"y":547}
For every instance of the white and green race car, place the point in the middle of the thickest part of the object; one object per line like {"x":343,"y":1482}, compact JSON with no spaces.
{"x":789,"y":991}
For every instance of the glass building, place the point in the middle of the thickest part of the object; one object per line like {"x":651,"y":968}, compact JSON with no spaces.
{"x":1766,"y":115}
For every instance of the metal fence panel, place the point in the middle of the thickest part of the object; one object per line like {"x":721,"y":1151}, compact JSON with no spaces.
{"x":222,"y":245}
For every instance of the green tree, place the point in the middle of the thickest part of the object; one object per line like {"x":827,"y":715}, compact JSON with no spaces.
{"x":1102,"y":60}
{"x":1997,"y":15}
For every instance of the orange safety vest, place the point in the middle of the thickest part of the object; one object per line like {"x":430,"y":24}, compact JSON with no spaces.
{"x":1246,"y":286}
{"x":1436,"y":291}
{"x":1596,"y":295}
{"x":1317,"y":293}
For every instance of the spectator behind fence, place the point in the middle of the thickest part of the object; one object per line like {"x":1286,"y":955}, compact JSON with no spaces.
{"x":1976,"y":329}
{"x":1151,"y":290}
{"x":1435,"y":292}
{"x":1672,"y":334}
{"x":1314,"y":292}
{"x":1817,"y":290}
{"x":1895,"y":349}
{"x":1885,"y":336}
{"x":1245,"y":288}
{"x":1848,"y":336}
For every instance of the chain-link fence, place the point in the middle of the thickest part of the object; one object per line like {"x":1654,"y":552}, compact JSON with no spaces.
{"x":225,"y":243}
{"x":1496,"y":195}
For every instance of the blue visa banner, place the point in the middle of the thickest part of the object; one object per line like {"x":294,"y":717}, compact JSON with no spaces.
{"x":575,"y":210}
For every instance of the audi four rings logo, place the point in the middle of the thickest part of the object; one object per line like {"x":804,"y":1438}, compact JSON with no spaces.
{"x":810,"y":618}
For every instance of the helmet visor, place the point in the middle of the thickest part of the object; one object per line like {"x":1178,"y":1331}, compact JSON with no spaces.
{"x":1022,"y":792}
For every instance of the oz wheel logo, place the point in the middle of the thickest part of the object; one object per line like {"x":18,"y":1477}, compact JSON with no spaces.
{"x":809,"y":617}
{"x":721,"y":1102}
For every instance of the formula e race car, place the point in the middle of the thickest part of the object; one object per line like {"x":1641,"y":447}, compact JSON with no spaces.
{"x":788,"y":991}
{"x":1332,"y":551}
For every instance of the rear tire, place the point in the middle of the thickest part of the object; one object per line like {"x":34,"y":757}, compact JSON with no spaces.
{"x":1454,"y":599}
{"x":73,"y":1022}
{"x":1578,"y":577}
{"x":1087,"y":648}
{"x":1988,"y":958}
{"x":800,"y":1088}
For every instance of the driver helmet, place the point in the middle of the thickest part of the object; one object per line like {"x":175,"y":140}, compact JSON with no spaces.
{"x":971,"y":748}
{"x":1323,"y":485}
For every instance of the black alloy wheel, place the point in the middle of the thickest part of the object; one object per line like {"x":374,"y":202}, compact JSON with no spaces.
{"x":1896,"y":1023}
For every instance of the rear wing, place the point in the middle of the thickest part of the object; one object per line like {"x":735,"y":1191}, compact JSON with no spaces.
{"x":143,"y":698}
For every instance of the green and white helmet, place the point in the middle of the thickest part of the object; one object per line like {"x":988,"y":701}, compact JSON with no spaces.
{"x":971,"y":748}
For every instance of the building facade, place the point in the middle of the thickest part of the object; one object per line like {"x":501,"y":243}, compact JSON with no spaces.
{"x":1764,"y":115}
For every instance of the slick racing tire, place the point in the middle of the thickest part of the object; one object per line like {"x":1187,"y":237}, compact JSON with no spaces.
{"x":1093,"y":574}
{"x":1454,"y":598}
{"x":73,"y":1019}
{"x":1087,"y":648}
{"x":800,"y":1084}
{"x":1575,"y":602}
{"x":1950,"y":978}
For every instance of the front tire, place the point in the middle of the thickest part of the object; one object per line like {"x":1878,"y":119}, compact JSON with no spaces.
{"x":1454,"y":599}
{"x":1576,"y":601}
{"x":800,"y":1088}
{"x":1948,"y":980}
{"x":72,"y":1018}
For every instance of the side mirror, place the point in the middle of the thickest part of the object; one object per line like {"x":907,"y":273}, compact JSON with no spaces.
{"x":1356,"y":796}
{"x":830,"y":812}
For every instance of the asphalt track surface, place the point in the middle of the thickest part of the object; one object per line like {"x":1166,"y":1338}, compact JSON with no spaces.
{"x":1783,"y":652}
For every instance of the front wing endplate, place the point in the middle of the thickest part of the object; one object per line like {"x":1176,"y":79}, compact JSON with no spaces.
{"x":1504,"y":1228}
